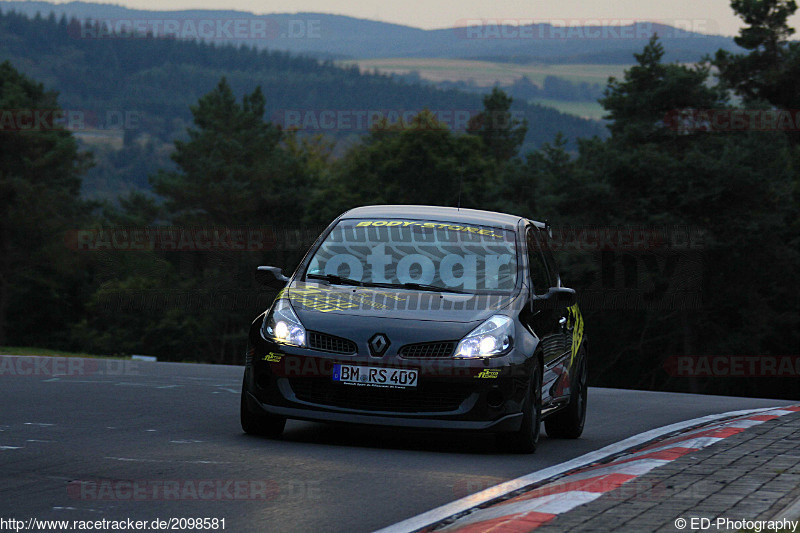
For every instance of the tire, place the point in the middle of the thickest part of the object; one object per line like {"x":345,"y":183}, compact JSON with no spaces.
{"x":568,"y":423}
{"x":262,"y":424}
{"x":525,"y":439}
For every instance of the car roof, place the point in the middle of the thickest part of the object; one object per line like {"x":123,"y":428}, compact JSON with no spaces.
{"x":437,"y":213}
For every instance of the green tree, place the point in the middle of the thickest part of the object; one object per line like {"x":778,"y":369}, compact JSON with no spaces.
{"x":639,"y":105}
{"x":770,"y":70}
{"x":734,"y":187}
{"x":235,"y":179}
{"x":231,"y":168}
{"x":420,"y":162}
{"x":521,"y":182}
{"x":497,"y":126}
{"x":40,"y":180}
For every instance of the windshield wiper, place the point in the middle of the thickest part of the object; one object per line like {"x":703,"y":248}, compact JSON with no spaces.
{"x":333,"y":278}
{"x":414,"y":286}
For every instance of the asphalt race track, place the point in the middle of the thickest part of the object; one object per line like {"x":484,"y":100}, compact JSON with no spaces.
{"x":95,"y":439}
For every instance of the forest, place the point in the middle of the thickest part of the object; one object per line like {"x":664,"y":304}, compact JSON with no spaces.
{"x":154,"y":81}
{"x":714,"y":201}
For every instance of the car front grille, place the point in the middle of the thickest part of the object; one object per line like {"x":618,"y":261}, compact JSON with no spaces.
{"x":330,"y":343}
{"x":428,"y":350}
{"x":323,"y":391}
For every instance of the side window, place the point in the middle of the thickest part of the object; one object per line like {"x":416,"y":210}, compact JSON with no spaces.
{"x":549,"y":258}
{"x":536,"y":264}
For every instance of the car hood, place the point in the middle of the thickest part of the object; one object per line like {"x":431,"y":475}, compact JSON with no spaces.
{"x":321,"y":303}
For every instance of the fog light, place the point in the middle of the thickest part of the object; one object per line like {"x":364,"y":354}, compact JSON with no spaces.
{"x":495,"y":398}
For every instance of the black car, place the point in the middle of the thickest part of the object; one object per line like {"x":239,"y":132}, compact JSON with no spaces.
{"x":421,"y":317}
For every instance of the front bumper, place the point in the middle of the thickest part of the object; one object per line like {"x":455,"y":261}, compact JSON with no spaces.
{"x":506,"y":423}
{"x":474,"y":395}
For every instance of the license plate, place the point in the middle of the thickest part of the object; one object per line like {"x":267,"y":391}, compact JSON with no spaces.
{"x":375,"y":376}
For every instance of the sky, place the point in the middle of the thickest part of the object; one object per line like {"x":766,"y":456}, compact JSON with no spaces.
{"x":703,"y":16}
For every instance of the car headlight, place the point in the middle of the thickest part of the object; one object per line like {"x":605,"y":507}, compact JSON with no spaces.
{"x":493,"y":337}
{"x":282,"y":325}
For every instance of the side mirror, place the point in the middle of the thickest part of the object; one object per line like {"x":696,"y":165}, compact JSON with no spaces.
{"x":555,"y":298}
{"x":564,"y":296}
{"x":271,"y":277}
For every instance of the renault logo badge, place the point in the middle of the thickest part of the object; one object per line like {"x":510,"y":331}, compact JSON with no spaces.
{"x":378,"y":344}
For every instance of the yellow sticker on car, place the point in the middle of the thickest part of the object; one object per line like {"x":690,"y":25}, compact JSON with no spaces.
{"x":273,"y":357}
{"x":327,"y":300}
{"x":576,"y":324}
{"x":430,"y":225}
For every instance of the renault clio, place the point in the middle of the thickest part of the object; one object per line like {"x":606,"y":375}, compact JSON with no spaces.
{"x":421,"y":317}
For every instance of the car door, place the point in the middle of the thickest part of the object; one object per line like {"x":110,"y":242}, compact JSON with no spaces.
{"x":549,"y":320}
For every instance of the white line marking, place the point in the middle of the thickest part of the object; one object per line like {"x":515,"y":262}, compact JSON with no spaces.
{"x":563,"y":501}
{"x":38,"y":424}
{"x":631,"y":468}
{"x":781,"y":412}
{"x":11,"y":447}
{"x":133,"y":460}
{"x":447,"y":510}
{"x":551,"y":504}
{"x":744,"y":424}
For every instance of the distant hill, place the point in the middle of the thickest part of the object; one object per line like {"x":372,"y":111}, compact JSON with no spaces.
{"x":155,"y":81}
{"x":342,"y":37}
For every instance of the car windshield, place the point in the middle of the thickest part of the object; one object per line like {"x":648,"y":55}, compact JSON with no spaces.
{"x":418,"y":254}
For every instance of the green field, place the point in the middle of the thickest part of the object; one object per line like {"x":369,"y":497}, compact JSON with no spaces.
{"x":487,"y":73}
{"x":27,"y":350}
{"x":590,"y":110}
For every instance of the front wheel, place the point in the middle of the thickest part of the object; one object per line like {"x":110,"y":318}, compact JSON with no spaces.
{"x":525,"y":439}
{"x":262,"y":424}
{"x":568,"y":423}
